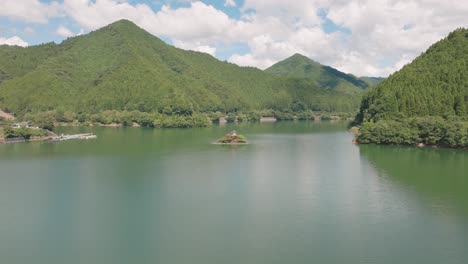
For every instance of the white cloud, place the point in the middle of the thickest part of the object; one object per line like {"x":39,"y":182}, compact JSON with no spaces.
{"x":29,"y":10}
{"x":395,"y":31}
{"x":206,"y":49}
{"x":197,"y":21}
{"x":298,"y":12}
{"x":264,"y":52}
{"x":198,"y":26}
{"x":230,"y":3}
{"x":64,"y":32}
{"x":196,"y":47}
{"x":13,"y":41}
{"x":385,"y":33}
{"x":267,"y":50}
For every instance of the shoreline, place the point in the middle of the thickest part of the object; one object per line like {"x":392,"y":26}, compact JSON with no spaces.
{"x":420,"y":145}
{"x":33,"y":139}
{"x":233,"y":144}
{"x":136,"y":125}
{"x":52,"y":137}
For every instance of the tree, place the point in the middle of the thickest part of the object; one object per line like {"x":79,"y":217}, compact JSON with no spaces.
{"x":45,"y":120}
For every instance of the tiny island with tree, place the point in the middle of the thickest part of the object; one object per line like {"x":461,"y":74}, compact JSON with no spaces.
{"x":232,"y":138}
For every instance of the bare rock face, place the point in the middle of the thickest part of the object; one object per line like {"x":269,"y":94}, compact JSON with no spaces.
{"x":7,"y":116}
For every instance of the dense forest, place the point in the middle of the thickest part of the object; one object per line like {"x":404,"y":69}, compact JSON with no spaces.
{"x":299,"y":66}
{"x":425,"y":102}
{"x":344,"y":89}
{"x":123,"y":68}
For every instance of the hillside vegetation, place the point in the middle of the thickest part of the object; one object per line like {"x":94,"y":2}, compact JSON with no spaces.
{"x":121,"y":67}
{"x":425,"y":102}
{"x":299,"y":66}
{"x":340,"y":87}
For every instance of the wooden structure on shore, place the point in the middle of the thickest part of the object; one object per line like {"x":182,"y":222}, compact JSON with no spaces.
{"x":268,"y":119}
{"x":69,"y":137}
{"x":51,"y":138}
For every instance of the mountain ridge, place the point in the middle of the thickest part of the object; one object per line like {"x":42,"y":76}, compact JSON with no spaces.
{"x":300,"y":66}
{"x":424,"y":103}
{"x":435,"y":83}
{"x":123,"y":67}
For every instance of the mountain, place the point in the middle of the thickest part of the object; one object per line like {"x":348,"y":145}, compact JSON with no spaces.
{"x":435,"y":83}
{"x":372,"y":80}
{"x":123,"y":67}
{"x":426,"y":102}
{"x":300,"y":66}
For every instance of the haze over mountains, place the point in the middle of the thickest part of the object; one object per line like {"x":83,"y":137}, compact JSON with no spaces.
{"x":123,"y":67}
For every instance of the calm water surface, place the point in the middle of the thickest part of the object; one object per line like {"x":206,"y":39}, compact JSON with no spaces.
{"x":299,"y":193}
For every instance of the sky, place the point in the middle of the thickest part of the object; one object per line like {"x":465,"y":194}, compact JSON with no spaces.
{"x":362,"y":37}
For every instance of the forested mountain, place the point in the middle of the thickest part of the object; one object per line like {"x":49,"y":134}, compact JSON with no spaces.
{"x":426,"y":101}
{"x":372,"y":80}
{"x":122,"y":67}
{"x":299,"y":66}
{"x":435,"y":83}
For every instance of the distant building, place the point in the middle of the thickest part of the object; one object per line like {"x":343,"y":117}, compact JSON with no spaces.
{"x":21,"y":124}
{"x":222,"y":120}
{"x":268,"y":119}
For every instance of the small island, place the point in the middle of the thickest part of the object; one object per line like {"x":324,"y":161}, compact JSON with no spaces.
{"x":232,"y":139}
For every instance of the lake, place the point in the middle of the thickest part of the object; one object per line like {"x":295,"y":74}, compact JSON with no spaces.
{"x":301,"y":192}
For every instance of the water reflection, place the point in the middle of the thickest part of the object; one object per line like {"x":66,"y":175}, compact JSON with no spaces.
{"x":299,"y":193}
{"x":438,"y":174}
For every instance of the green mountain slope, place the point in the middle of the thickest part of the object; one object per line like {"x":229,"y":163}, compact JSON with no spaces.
{"x":299,"y":66}
{"x":435,"y":83}
{"x":123,"y":67}
{"x":372,"y":80}
{"x":16,"y":61}
{"x":426,"y":101}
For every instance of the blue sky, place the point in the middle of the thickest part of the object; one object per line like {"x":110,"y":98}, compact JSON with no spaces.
{"x":365,"y":37}
{"x":35,"y":34}
{"x":10,"y":27}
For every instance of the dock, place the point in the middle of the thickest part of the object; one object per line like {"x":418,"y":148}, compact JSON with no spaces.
{"x":76,"y":136}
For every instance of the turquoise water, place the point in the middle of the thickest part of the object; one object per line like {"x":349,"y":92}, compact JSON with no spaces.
{"x":299,"y":193}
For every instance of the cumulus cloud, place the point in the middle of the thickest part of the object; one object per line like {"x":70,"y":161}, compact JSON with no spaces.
{"x":385,"y":34}
{"x":230,"y":3}
{"x":196,"y":47}
{"x":13,"y":41}
{"x":186,"y":22}
{"x":198,"y":25}
{"x":298,"y":12}
{"x":29,"y":10}
{"x":395,"y":31}
{"x":380,"y":36}
{"x":64,"y":32}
